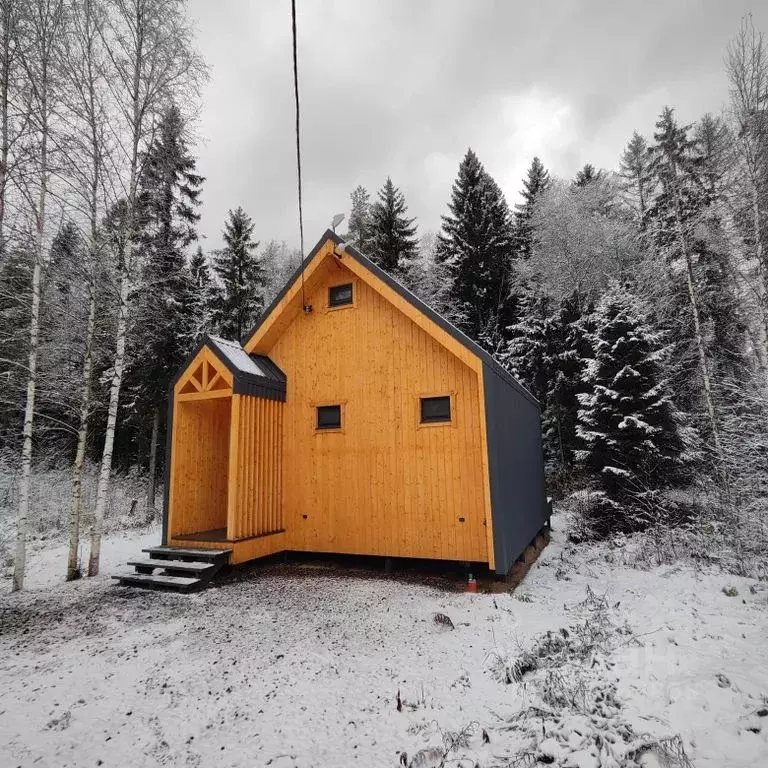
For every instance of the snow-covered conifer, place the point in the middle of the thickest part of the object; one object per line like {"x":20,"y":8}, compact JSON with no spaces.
{"x":241,"y":273}
{"x":587,"y":175}
{"x":392,"y":240}
{"x":633,"y":169}
{"x":632,"y":434}
{"x":201,"y":295}
{"x":536,"y":182}
{"x":169,"y":196}
{"x":477,"y":243}
{"x":567,"y":352}
{"x":527,"y":350}
{"x":359,"y":232}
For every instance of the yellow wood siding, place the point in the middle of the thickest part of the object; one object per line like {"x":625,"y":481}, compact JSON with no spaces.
{"x":383,"y":484}
{"x":255,"y":480}
{"x":199,"y":468}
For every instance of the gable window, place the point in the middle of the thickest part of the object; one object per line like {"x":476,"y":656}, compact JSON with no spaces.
{"x":435,"y":409}
{"x":340,"y":295}
{"x":328,"y":417}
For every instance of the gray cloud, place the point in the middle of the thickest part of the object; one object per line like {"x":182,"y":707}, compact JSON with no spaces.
{"x":403,"y":88}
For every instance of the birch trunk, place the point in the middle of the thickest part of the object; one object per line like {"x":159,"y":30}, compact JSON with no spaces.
{"x":82,"y":437}
{"x":125,"y":263}
{"x":706,"y":378}
{"x":5,"y":74}
{"x":38,"y":63}
{"x":26,"y":451}
{"x":703,"y":364}
{"x":151,"y":484}
{"x":85,"y":76}
{"x":109,"y":437}
{"x":34,"y":333}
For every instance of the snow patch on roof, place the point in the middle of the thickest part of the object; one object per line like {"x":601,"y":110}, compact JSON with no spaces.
{"x":237,"y":356}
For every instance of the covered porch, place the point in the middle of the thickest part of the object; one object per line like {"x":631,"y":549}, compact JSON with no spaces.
{"x":225,"y":454}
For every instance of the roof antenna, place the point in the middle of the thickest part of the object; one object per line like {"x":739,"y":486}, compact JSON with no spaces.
{"x":336,"y":220}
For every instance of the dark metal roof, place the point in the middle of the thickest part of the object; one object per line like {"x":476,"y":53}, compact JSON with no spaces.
{"x":253,"y":375}
{"x":462,"y":338}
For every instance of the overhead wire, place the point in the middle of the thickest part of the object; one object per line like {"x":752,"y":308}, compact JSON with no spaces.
{"x":298,"y":148}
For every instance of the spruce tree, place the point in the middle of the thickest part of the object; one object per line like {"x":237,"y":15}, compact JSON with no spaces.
{"x":587,"y":175}
{"x":721,"y":307}
{"x":167,"y":216}
{"x":680,"y":220}
{"x":534,"y":185}
{"x":631,"y":431}
{"x":430,"y":279}
{"x":359,"y":232}
{"x":477,"y":243}
{"x":169,"y":196}
{"x":67,"y":255}
{"x":201,"y":295}
{"x":241,"y":273}
{"x":714,"y":144}
{"x":62,"y":330}
{"x":548,"y":351}
{"x":527,"y":351}
{"x":566,"y":356}
{"x":634,"y":171}
{"x":393,"y":242}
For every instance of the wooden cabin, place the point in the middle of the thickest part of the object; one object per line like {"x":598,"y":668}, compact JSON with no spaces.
{"x":352,"y":419}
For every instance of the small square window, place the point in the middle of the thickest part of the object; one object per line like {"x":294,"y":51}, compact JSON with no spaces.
{"x":340,"y":295}
{"x":329,"y":417}
{"x":435,"y":409}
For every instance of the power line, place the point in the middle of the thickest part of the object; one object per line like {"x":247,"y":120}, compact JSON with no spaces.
{"x":298,"y":146}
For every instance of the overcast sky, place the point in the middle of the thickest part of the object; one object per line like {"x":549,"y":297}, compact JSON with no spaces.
{"x":403,"y":88}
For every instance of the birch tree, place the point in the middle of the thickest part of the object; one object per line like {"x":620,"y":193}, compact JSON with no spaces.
{"x":152,"y":63}
{"x":42,"y":22}
{"x":84,"y":68}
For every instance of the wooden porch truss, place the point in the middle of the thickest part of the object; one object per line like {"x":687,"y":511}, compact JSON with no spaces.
{"x":206,"y":377}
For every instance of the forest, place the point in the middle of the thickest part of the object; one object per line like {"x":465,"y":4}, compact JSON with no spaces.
{"x":631,"y":301}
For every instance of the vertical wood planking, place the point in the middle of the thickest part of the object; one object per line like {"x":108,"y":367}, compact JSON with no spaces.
{"x":257,"y":483}
{"x":384,"y":485}
{"x":199,"y":466}
{"x":234,"y":469}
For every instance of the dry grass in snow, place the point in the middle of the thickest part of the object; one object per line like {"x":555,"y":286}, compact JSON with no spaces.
{"x":592,"y":663}
{"x":50,"y":504}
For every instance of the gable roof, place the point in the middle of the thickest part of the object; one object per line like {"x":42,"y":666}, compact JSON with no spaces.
{"x":411,"y":298}
{"x":251,"y":374}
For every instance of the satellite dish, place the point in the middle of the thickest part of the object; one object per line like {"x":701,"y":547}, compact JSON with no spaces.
{"x":337,"y":219}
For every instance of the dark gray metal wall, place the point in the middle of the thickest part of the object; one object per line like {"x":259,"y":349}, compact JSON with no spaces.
{"x":516,"y":464}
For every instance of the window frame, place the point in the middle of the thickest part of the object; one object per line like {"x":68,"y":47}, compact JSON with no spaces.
{"x":449,"y":422}
{"x":352,"y":303}
{"x":328,"y":404}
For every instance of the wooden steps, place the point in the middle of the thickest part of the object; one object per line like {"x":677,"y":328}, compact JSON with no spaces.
{"x":175,"y":568}
{"x":180,"y":553}
{"x":185,"y":566}
{"x":182,"y":583}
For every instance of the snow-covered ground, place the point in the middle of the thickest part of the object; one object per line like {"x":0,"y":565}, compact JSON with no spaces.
{"x":292,"y":665}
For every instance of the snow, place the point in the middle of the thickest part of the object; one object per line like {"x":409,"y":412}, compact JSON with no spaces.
{"x":47,"y":562}
{"x":301,"y":665}
{"x":237,"y":356}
